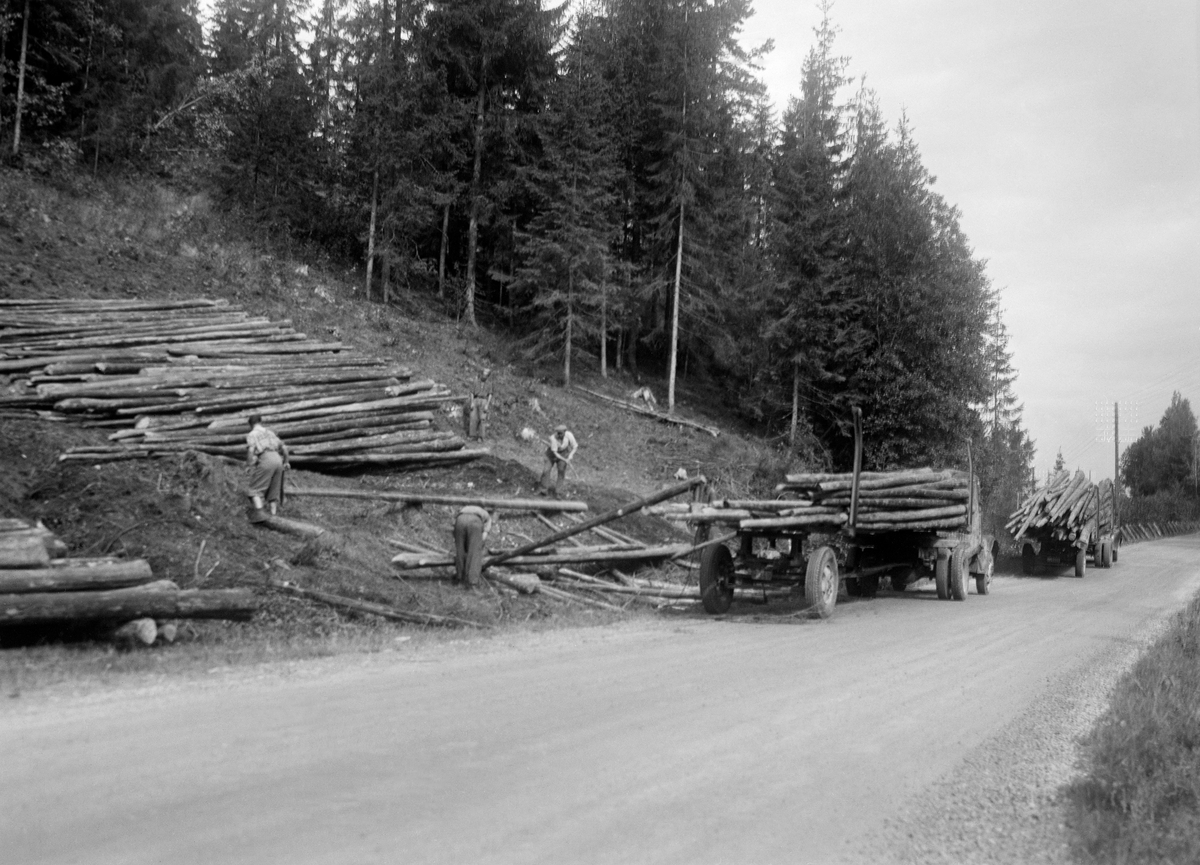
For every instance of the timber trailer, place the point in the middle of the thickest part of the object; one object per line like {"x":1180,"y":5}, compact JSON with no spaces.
{"x":1098,"y":539}
{"x":819,"y":560}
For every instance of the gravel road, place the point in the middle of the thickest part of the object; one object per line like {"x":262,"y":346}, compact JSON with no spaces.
{"x":904,"y":729}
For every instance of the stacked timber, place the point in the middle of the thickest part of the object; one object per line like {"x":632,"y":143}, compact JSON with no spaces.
{"x":916,"y":500}
{"x":1065,"y":508}
{"x":39,"y":587}
{"x":171,"y":376}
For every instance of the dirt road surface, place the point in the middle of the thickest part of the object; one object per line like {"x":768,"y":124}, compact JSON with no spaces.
{"x":754,"y":739}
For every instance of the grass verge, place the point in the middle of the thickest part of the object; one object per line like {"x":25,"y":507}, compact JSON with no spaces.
{"x":1139,"y":801}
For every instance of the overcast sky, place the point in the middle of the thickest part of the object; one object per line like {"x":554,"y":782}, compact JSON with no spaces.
{"x":1068,"y":134}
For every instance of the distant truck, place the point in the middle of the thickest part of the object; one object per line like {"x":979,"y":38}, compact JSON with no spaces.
{"x":1067,"y":522}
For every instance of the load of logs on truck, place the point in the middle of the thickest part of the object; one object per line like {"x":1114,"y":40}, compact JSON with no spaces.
{"x":856,"y":527}
{"x":1066,"y":522}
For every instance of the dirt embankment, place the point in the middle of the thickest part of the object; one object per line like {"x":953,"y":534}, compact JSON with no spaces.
{"x":185,"y":514}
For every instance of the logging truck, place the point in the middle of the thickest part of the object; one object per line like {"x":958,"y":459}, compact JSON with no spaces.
{"x":852,"y":529}
{"x":1087,"y":531}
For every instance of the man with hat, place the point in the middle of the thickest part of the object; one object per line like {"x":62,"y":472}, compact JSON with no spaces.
{"x":561,"y":448}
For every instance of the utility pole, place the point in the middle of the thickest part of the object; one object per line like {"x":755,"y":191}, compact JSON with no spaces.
{"x":1116,"y":442}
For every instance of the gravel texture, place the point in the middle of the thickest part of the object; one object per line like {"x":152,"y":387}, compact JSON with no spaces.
{"x":1006,"y":804}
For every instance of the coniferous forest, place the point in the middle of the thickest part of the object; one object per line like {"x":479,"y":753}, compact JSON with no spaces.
{"x":608,"y":180}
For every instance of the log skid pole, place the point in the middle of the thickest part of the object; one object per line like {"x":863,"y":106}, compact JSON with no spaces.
{"x":421,"y":498}
{"x":624,"y":510}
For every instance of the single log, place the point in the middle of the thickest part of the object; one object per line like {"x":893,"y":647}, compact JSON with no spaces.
{"x":928,"y":525}
{"x":811,"y":479}
{"x":647,"y":412}
{"x":831,"y":520}
{"x":408,"y":561}
{"x":912,"y":516}
{"x":419,"y":497}
{"x":74,"y":575}
{"x":403,"y":442}
{"x":897,"y":479}
{"x":154,"y":600}
{"x":624,"y":510}
{"x":374,"y":609}
{"x":23,"y":549}
{"x":290,"y":527}
{"x":392,"y":459}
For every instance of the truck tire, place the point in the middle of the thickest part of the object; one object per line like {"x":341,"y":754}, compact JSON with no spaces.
{"x":1106,"y":554}
{"x":716,"y":579}
{"x":821,"y":582}
{"x":960,"y":577}
{"x":941,"y":578}
{"x":1080,"y":562}
{"x":868,"y":586}
{"x":1114,"y":550}
{"x":1028,"y":560}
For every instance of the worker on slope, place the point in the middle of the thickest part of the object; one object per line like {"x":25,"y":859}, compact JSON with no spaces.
{"x":267,"y":460}
{"x":562,"y":447}
{"x":471,"y":528}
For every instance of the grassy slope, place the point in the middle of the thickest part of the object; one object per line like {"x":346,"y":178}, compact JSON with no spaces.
{"x":185,"y":515}
{"x":1139,"y":801}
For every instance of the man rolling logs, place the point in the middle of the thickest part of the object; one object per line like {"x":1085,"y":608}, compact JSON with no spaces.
{"x":266,"y":460}
{"x":471,"y":528}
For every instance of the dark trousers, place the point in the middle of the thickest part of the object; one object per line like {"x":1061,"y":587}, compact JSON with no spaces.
{"x":554,"y":465}
{"x":468,"y":549}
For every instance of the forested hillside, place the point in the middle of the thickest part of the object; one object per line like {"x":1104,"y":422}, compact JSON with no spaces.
{"x":606,"y":181}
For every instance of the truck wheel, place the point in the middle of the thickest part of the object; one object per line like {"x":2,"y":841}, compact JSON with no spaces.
{"x":821,"y":581}
{"x":1106,"y":554}
{"x":1080,"y":562}
{"x":983,"y":582}
{"x":1114,"y":551}
{"x":716,"y":579}
{"x":868,"y":586}
{"x":960,"y":577}
{"x":941,"y":578}
{"x":1028,"y":560}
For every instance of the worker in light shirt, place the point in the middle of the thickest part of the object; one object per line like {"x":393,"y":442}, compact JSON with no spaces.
{"x":561,"y":448}
{"x":267,"y":460}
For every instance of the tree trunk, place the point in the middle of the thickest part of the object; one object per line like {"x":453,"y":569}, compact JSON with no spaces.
{"x":570,"y":326}
{"x":16,"y":148}
{"x":675,"y":313}
{"x":442,"y":252}
{"x":473,"y":226}
{"x":385,"y":274}
{"x":795,"y":402}
{"x":371,"y":234}
{"x":604,"y":330}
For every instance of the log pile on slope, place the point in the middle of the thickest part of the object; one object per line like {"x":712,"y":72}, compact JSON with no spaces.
{"x":39,"y":587}
{"x":173,"y":376}
{"x":1064,"y":508}
{"x":916,"y":500}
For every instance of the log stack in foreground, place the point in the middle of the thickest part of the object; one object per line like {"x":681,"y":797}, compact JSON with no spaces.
{"x":39,"y":588}
{"x":1064,"y":507}
{"x":173,"y":376}
{"x":917,"y":500}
